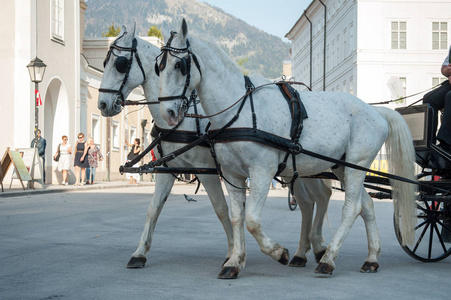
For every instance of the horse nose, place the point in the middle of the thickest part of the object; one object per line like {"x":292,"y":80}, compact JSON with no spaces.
{"x":171,"y":113}
{"x":102,"y":105}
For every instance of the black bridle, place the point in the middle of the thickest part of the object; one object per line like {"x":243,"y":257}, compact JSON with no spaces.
{"x":123,"y":66}
{"x":184,"y":65}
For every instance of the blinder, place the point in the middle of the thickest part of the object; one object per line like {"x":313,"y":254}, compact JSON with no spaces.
{"x":121,"y":64}
{"x":182,"y":64}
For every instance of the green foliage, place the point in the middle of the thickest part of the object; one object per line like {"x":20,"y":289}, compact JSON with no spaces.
{"x":155,"y":31}
{"x":112,"y":31}
{"x":241,"y":63}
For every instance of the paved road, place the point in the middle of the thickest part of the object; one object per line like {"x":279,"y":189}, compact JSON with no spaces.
{"x":75,"y":245}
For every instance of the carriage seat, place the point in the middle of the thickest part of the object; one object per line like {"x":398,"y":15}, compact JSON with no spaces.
{"x":421,"y":119}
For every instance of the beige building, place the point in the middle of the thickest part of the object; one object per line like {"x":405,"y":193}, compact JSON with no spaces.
{"x":53,"y":31}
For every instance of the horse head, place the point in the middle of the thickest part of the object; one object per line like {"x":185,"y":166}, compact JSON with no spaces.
{"x":179,"y":72}
{"x":124,"y":70}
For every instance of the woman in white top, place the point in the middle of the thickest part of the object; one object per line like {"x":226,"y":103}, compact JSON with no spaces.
{"x":65,"y":151}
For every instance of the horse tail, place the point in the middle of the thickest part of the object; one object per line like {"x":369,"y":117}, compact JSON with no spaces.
{"x":401,"y":154}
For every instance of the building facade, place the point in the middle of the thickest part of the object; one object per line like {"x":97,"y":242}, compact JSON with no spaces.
{"x":53,"y":31}
{"x":376,"y":50}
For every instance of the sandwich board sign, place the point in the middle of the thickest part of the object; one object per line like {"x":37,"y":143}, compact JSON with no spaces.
{"x":14,"y":158}
{"x":33,"y":163}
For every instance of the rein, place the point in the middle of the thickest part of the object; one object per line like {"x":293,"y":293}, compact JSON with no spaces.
{"x":242,"y":98}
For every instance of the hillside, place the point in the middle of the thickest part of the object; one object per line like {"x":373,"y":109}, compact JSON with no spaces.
{"x":264,"y":52}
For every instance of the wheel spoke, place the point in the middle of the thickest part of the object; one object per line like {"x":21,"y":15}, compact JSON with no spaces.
{"x":431,"y":237}
{"x":444,"y":226}
{"x":442,"y":243}
{"x":420,"y":238}
{"x":421,"y":224}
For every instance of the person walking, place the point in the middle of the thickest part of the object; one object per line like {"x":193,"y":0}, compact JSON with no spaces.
{"x":80,"y":159}
{"x":64,"y":150}
{"x":94,"y":156}
{"x":40,"y":145}
{"x":134,"y":152}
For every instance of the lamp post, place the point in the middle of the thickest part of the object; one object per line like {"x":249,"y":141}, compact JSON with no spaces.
{"x":143,"y":128}
{"x":36,"y":68}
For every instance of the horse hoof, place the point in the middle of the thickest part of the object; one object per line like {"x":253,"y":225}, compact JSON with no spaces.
{"x":285,"y":257}
{"x":369,"y":267}
{"x":137,"y":262}
{"x":229,"y":273}
{"x":319,"y":255}
{"x":324,"y":269}
{"x":297,"y":261}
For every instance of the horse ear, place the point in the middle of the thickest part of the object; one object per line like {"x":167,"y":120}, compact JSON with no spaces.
{"x":165,"y":31}
{"x":184,"y":29}
{"x":128,"y":37}
{"x":133,"y":29}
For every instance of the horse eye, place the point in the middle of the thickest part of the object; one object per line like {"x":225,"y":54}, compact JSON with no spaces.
{"x":177,"y":65}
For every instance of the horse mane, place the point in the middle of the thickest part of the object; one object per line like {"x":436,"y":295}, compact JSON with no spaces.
{"x":211,"y":46}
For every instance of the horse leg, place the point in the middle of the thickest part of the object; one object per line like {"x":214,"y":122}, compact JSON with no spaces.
{"x":308,"y":192}
{"x":163,"y":186}
{"x":321,"y":192}
{"x":307,"y":206}
{"x":259,"y":188}
{"x":374,"y":247}
{"x":353,"y":182}
{"x":214,"y":190}
{"x":237,"y":259}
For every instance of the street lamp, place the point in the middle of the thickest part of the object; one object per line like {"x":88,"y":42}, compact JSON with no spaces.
{"x":36,"y":68}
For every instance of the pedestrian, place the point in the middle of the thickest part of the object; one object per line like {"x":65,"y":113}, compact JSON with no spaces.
{"x":439,"y":99}
{"x":40,"y":145}
{"x":134,"y":152}
{"x":154,"y":158}
{"x":80,"y":159}
{"x":94,"y":156}
{"x":273,"y":184}
{"x":64,"y":151}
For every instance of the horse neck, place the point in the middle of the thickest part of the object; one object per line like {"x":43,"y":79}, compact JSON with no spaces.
{"x":222,"y":82}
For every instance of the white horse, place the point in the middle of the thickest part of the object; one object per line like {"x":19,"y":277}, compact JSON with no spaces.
{"x":338,"y":125}
{"x":143,"y":73}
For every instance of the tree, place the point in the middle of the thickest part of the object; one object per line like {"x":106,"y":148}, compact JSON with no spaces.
{"x":112,"y":31}
{"x":241,"y":62}
{"x":155,"y":31}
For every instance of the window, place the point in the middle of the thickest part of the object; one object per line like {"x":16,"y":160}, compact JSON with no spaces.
{"x":351,"y":85}
{"x":398,"y":35}
{"x":439,"y":35}
{"x":115,"y":135}
{"x":57,"y":22}
{"x":132,"y":134}
{"x":345,"y":43}
{"x":437,"y":80}
{"x":403,"y":81}
{"x":95,"y":128}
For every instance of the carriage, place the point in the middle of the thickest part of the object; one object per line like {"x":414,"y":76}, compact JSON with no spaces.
{"x":431,"y":242}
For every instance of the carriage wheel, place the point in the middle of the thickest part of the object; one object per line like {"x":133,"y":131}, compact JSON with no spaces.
{"x":291,"y":206}
{"x":432,"y":232}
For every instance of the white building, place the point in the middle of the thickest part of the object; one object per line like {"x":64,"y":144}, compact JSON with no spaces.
{"x":53,"y":31}
{"x":376,"y":50}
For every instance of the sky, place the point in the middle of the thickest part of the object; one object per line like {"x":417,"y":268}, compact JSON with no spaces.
{"x":276,"y":17}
